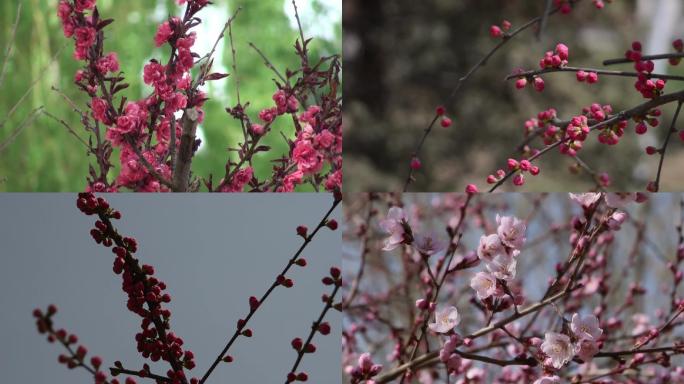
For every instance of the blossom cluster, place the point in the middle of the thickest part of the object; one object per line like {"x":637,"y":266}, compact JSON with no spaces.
{"x":146,"y":294}
{"x":421,"y":313}
{"x":499,"y":252}
{"x":156,"y":134}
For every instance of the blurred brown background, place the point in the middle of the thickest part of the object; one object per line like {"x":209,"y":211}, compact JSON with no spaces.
{"x":403,"y":57}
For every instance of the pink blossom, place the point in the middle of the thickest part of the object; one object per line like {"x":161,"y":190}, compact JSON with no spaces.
{"x":324,"y":139}
{"x":334,"y":181}
{"x":585,"y":199}
{"x":153,"y":73}
{"x":615,"y":220}
{"x":428,"y":244}
{"x":268,"y":115}
{"x":445,"y":320}
{"x":558,"y":348}
{"x":394,"y":224}
{"x":490,"y":246}
{"x":82,"y":5}
{"x":484,"y":284}
{"x":99,"y":108}
{"x":85,"y":36}
{"x":164,"y":32}
{"x":586,"y":349}
{"x":503,"y":266}
{"x":109,"y":63}
{"x":307,"y":158}
{"x":585,"y":327}
{"x":511,"y":231}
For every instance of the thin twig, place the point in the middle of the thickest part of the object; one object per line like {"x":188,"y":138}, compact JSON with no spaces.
{"x":10,"y":44}
{"x":20,"y":128}
{"x":273,"y":286}
{"x":598,"y":71}
{"x":664,"y":147}
{"x":645,"y":57}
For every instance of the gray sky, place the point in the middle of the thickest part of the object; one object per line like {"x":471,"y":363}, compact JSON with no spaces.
{"x":213,"y":251}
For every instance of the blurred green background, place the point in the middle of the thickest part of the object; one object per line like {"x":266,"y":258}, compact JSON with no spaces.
{"x":402,"y":58}
{"x":45,"y":157}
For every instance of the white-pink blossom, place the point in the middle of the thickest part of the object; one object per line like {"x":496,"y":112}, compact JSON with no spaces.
{"x":490,"y":246}
{"x":585,"y":327}
{"x":503,"y":266}
{"x":585,"y":199}
{"x":558,"y":348}
{"x":393,"y":224}
{"x":586,"y":349}
{"x":446,"y":319}
{"x":484,"y":284}
{"x":511,"y":231}
{"x":616,"y":219}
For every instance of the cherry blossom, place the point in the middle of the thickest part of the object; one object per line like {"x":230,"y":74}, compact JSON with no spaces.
{"x":484,"y":284}
{"x":490,"y":246}
{"x":558,"y":348}
{"x":585,"y":327}
{"x":395,"y":225}
{"x":446,"y":319}
{"x":511,"y":231}
{"x":585,"y":199}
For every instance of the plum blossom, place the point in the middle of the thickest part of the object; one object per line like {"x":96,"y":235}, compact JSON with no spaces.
{"x":428,"y":244}
{"x":490,"y":246}
{"x":484,"y":284}
{"x":445,"y":320}
{"x":585,"y":199}
{"x":394,"y":224}
{"x":586,"y":349}
{"x":511,"y":231}
{"x":558,"y":348}
{"x":585,"y":327}
{"x":503,"y":266}
{"x":615,"y":221}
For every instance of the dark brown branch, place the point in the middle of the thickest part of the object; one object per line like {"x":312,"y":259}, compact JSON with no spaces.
{"x":663,"y":149}
{"x":644,"y":57}
{"x":598,"y":71}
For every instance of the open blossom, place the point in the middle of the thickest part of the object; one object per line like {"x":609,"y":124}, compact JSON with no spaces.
{"x":164,"y":32}
{"x":503,"y":266}
{"x":394,"y":225}
{"x":484,"y":284}
{"x":428,"y":244}
{"x":585,"y":327}
{"x":445,"y":320}
{"x":490,"y":246}
{"x":619,"y":200}
{"x":615,"y":220}
{"x":511,"y":231}
{"x":558,"y":348}
{"x":586,"y":349}
{"x":308,"y":159}
{"x":586,"y":199}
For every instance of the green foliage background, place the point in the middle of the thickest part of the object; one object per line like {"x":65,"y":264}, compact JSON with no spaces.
{"x":45,"y":157}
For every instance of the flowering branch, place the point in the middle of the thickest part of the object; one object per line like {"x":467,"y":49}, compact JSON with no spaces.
{"x":281,"y":279}
{"x":307,"y":346}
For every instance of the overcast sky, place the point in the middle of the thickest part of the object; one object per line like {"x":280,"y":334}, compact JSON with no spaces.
{"x":213,"y":251}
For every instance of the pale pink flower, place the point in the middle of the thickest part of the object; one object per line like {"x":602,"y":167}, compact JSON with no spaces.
{"x":428,"y":244}
{"x":548,"y":380}
{"x":615,"y":221}
{"x":585,"y":327}
{"x":586,"y":349}
{"x":585,"y":199}
{"x":393,"y":224}
{"x":619,"y":200}
{"x":484,"y":284}
{"x":558,"y":348}
{"x":490,"y":246}
{"x":445,"y":320}
{"x":641,"y":323}
{"x":503,"y":266}
{"x":511,"y":231}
